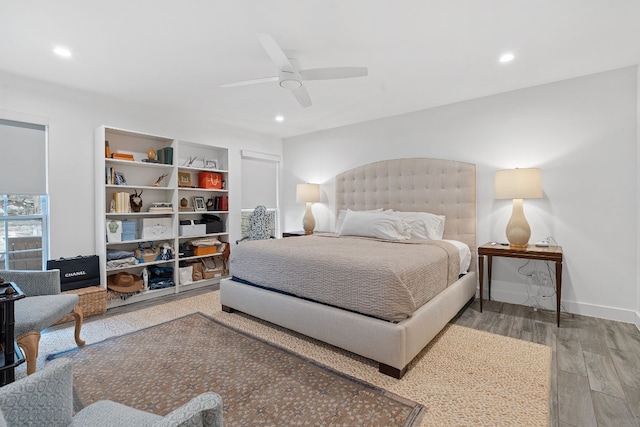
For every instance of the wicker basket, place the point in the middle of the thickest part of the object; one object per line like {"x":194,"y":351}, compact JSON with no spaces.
{"x":93,"y":300}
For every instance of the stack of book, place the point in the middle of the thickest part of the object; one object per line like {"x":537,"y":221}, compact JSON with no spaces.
{"x":165,"y":155}
{"x":122,"y":156}
{"x":161,"y":207}
{"x":121,"y":200}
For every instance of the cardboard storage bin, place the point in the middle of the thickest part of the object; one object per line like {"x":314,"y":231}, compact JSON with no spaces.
{"x":212,"y":267}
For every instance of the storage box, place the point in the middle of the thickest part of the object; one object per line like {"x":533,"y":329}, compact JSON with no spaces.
{"x":212,"y":267}
{"x":156,"y":228}
{"x":205,"y":250}
{"x":210,"y":180}
{"x":192,"y":229}
{"x":92,"y":301}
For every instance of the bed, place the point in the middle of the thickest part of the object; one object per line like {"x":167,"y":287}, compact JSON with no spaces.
{"x":441,"y":187}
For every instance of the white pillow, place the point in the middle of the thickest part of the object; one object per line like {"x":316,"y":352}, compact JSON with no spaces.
{"x":374,"y":224}
{"x":423,"y":225}
{"x":343,"y":212}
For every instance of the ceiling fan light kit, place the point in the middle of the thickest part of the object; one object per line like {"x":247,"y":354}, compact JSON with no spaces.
{"x":291,"y":77}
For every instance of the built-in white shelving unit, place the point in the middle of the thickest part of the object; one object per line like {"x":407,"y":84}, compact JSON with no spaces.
{"x":179,"y":184}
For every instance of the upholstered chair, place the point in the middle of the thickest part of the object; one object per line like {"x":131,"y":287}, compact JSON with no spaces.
{"x":259,"y":225}
{"x":43,"y":306}
{"x":46,"y":399}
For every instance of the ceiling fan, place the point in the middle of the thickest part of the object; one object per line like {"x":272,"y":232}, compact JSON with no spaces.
{"x":291,"y":77}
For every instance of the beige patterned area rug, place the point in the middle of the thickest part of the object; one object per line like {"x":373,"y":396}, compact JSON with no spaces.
{"x":463,"y":378}
{"x":162,"y":367}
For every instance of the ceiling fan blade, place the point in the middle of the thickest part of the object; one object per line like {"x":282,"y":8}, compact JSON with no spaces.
{"x":275,"y":52}
{"x":302,"y":96}
{"x":334,"y":73}
{"x":252,"y":82}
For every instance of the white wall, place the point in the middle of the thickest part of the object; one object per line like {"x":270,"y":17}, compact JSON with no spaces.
{"x":580,"y":132}
{"x":72,"y":117}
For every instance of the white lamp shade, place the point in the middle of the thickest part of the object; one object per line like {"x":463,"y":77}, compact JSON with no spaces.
{"x":308,"y":193}
{"x":518,"y":184}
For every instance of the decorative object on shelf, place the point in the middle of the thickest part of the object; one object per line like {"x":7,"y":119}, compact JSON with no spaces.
{"x":210,"y":163}
{"x":125,"y":283}
{"x":184,"y":179}
{"x":160,"y":178}
{"x":120,"y":179}
{"x":161,"y":207}
{"x":518,"y":184}
{"x":107,"y":149}
{"x":150,"y":254}
{"x":184,"y":202}
{"x":198,"y":204}
{"x":114,"y":231}
{"x":165,"y":155}
{"x":210,"y":180}
{"x":189,"y":163}
{"x":136,"y":201}
{"x":112,"y":206}
{"x":151,"y":153}
{"x":308,"y":193}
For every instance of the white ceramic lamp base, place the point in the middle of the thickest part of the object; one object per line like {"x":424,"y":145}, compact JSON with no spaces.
{"x":518,"y":230}
{"x":308,"y":221}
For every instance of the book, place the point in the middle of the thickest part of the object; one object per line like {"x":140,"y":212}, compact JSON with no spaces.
{"x":122,"y":156}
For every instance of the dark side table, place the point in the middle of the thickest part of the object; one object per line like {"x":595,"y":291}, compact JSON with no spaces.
{"x":550,"y":253}
{"x":11,"y":355}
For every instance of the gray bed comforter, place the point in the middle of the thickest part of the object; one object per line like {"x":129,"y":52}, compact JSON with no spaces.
{"x":387,"y":280}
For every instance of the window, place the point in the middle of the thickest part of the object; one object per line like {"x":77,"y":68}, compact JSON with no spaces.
{"x":260,"y":178}
{"x":24,"y":209}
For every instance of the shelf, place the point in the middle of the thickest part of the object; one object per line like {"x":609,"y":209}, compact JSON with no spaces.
{"x":137,"y":164}
{"x":137,"y":187}
{"x":217,"y":190}
{"x":125,"y":242}
{"x":142,"y":264}
{"x":168,"y":191}
{"x":187,"y":258}
{"x":140,"y":214}
{"x":202,"y":236}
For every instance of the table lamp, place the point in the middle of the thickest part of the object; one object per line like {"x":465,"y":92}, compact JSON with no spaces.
{"x":518,"y":184}
{"x":308,"y":193}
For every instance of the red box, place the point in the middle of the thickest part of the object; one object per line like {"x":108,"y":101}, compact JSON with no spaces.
{"x":210,"y":180}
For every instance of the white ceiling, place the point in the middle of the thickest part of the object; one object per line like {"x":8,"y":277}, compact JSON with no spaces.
{"x":420,"y":54}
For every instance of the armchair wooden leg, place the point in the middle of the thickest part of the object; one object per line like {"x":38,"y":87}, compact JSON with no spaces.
{"x":78,"y":316}
{"x":29,"y":343}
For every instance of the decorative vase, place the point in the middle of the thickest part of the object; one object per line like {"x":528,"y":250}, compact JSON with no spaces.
{"x":151,"y":154}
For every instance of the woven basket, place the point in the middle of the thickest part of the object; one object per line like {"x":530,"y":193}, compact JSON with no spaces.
{"x":93,"y":300}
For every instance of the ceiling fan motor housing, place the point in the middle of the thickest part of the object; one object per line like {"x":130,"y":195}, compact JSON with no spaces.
{"x":290,"y":79}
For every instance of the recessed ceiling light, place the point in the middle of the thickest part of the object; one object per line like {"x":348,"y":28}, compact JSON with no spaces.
{"x":506,"y":57}
{"x":279,"y":118}
{"x":62,"y":51}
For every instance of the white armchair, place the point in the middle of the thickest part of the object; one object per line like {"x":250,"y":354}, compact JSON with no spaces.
{"x":46,"y":399}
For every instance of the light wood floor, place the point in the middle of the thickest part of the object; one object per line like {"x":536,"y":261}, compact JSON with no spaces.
{"x":596,"y":362}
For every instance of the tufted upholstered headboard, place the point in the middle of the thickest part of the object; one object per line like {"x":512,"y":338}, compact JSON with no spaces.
{"x":442,"y":187}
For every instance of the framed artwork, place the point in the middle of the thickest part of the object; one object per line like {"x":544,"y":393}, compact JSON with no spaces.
{"x":184,"y":179}
{"x":199,"y":204}
{"x":210,"y":163}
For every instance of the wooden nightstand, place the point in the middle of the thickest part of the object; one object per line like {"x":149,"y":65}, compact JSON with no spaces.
{"x":551,"y":253}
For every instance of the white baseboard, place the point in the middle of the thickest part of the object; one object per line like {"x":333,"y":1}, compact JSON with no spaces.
{"x":517,"y":294}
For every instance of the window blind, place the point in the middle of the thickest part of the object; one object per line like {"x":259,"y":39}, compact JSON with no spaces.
{"x":23,"y":151}
{"x":259,"y":183}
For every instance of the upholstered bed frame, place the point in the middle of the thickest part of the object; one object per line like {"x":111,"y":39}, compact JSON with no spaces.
{"x":419,"y":185}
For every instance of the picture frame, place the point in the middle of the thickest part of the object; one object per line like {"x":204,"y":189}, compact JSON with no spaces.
{"x":210,"y":163}
{"x":184,"y":179}
{"x":199,"y":204}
